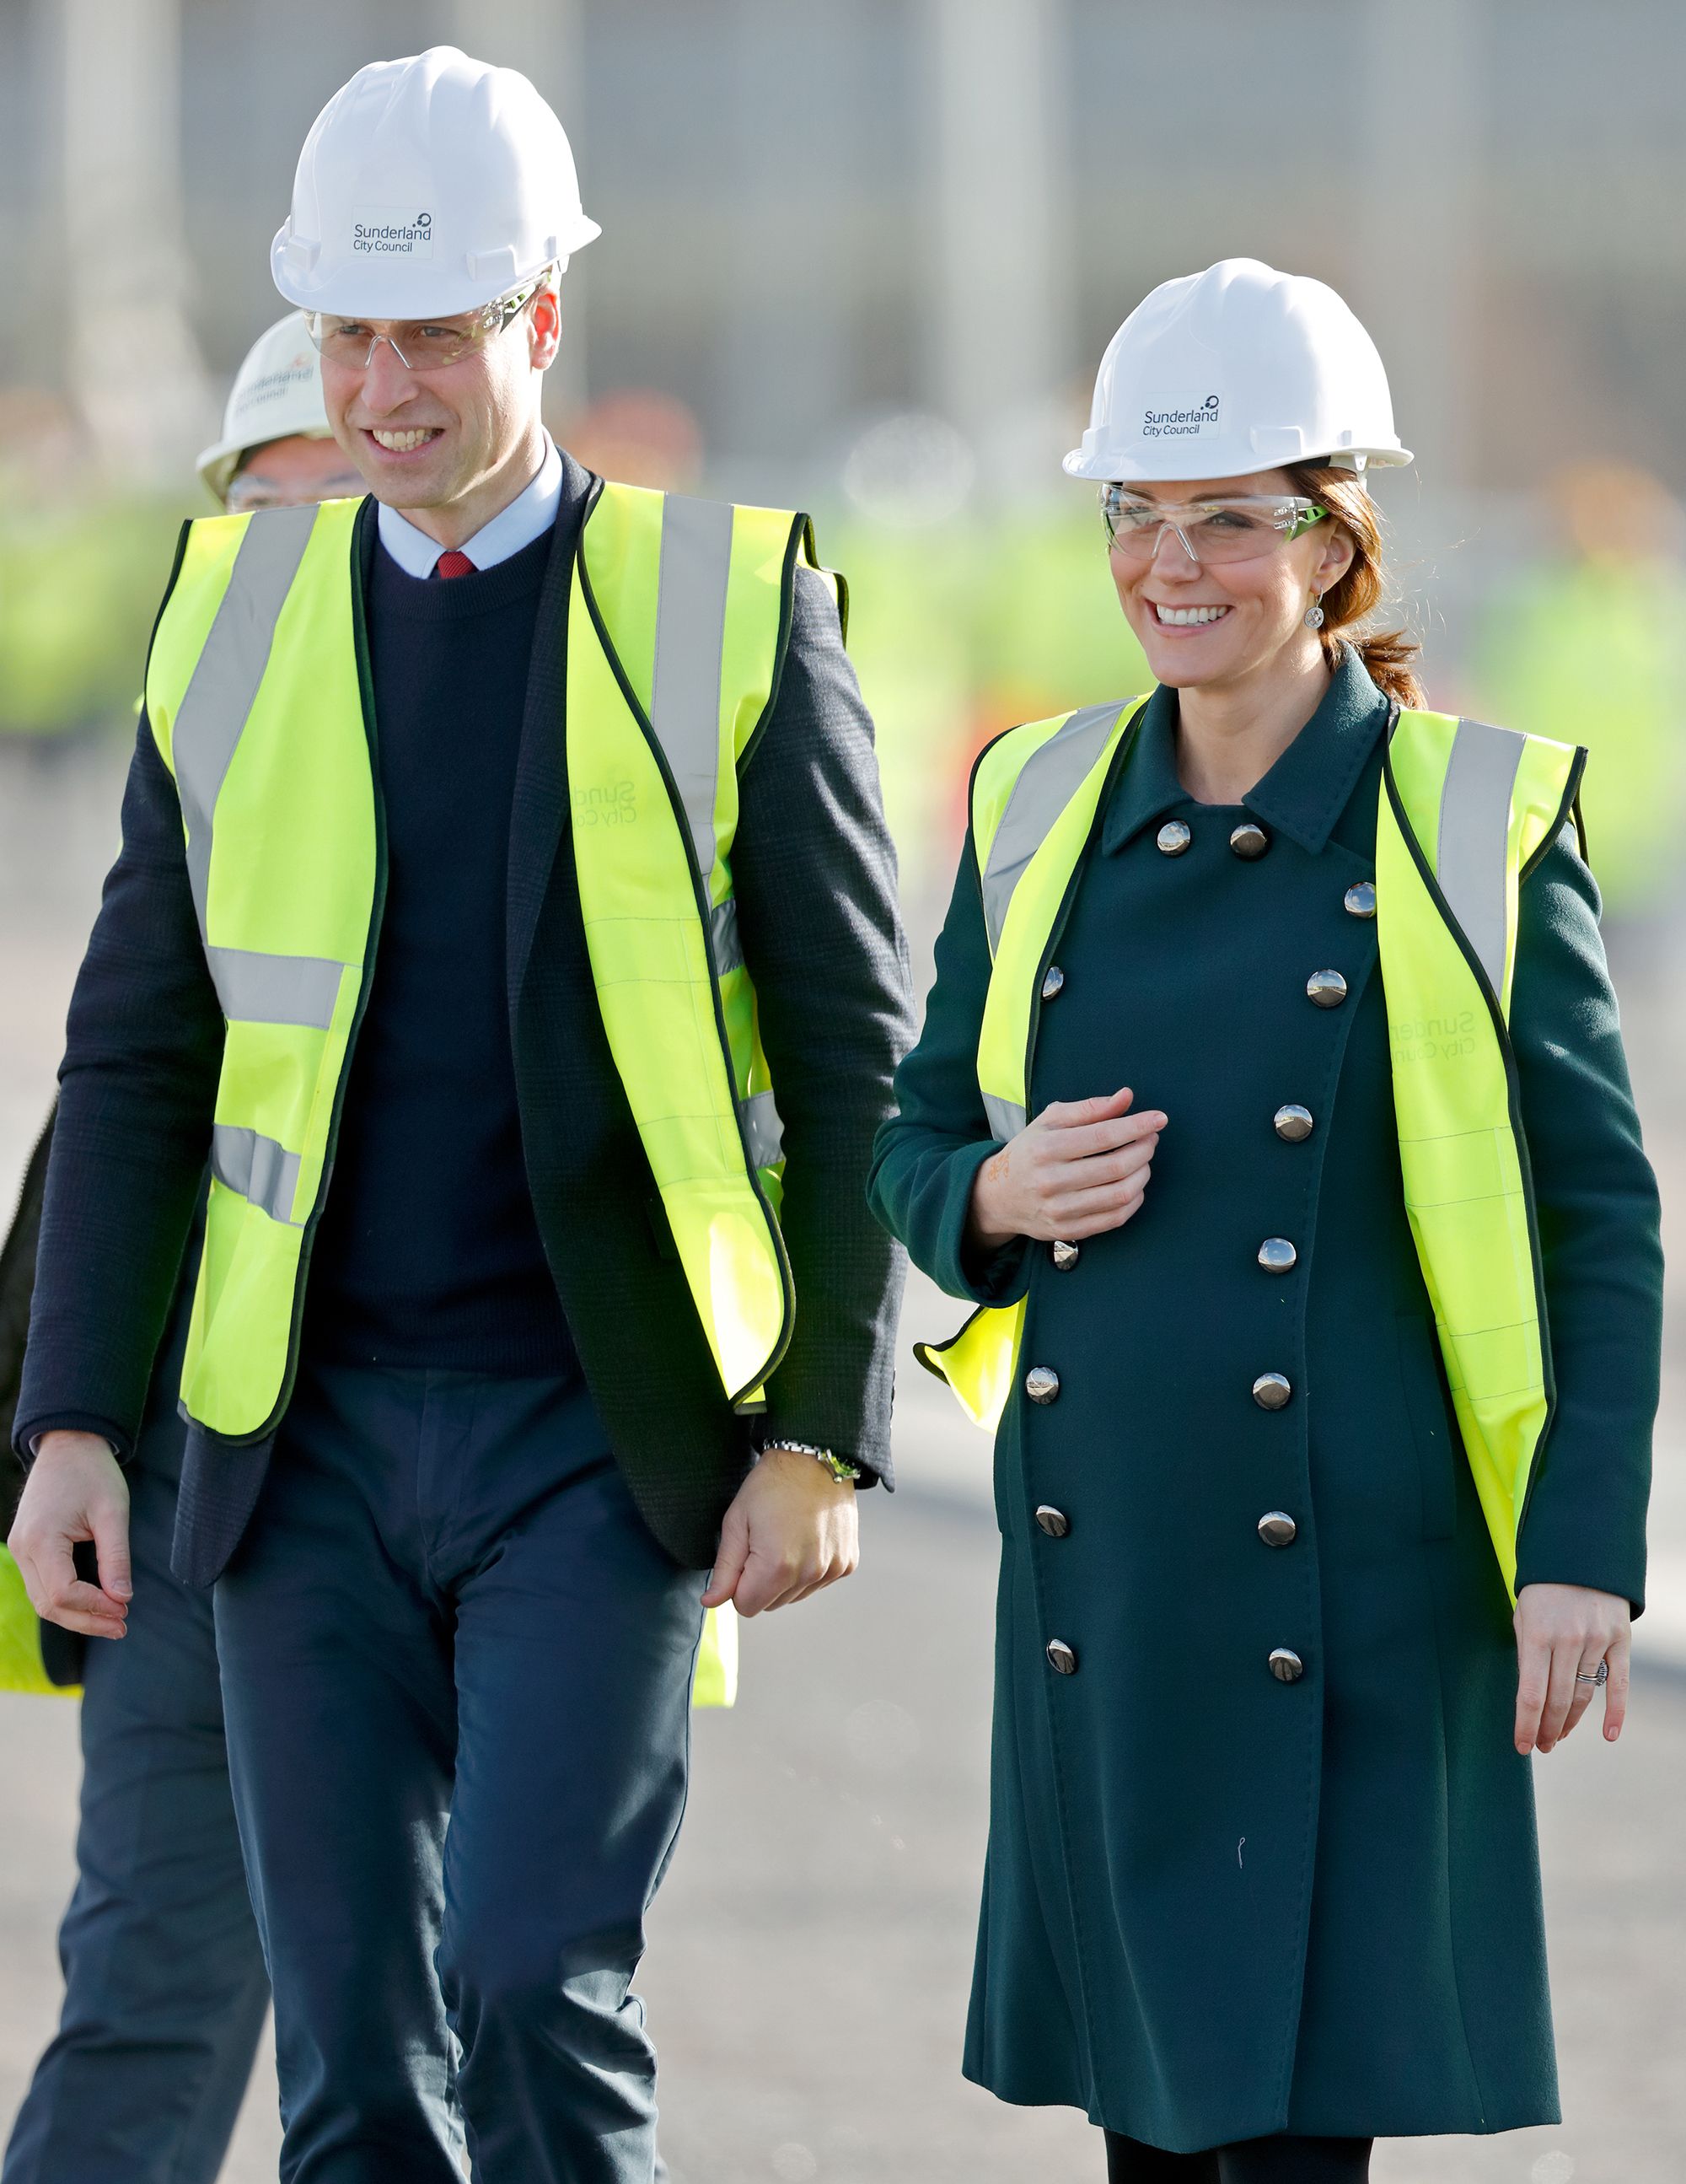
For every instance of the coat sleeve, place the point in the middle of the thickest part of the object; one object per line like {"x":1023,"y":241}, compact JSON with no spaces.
{"x":814,"y":875}
{"x":137,"y":1089}
{"x":1596,"y":1200}
{"x":928,"y":1153}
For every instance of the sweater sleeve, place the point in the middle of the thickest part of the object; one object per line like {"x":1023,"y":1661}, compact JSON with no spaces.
{"x":137,"y":1089}
{"x":1596,"y":1201}
{"x":815,"y":875}
{"x":928,"y":1153}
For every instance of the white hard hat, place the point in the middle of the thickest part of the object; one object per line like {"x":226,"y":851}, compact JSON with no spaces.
{"x":1233,"y":370}
{"x":428,"y":185}
{"x":277,"y":393}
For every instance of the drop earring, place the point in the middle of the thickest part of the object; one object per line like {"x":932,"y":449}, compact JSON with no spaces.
{"x":1314,"y":613}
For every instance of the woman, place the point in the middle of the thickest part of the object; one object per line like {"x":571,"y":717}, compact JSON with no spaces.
{"x":1270,"y":1092}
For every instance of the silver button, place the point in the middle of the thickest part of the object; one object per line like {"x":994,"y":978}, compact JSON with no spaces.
{"x":1053,"y":983}
{"x":1173,"y":838}
{"x":1327,"y":988}
{"x":1271,"y":1390}
{"x":1277,"y":1527}
{"x":1249,"y":840}
{"x":1041,"y":1384}
{"x":1292,"y":1122}
{"x":1061,"y":1659}
{"x":1360,"y":900}
{"x":1276,"y":1256}
{"x":1054,"y":1522}
{"x":1065,"y":1256}
{"x":1286,"y":1666}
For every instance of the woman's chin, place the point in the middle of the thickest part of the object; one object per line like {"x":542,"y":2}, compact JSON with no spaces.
{"x":1182,"y":666}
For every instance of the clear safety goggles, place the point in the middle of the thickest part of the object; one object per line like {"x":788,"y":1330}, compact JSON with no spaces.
{"x":419,"y":344}
{"x":248,"y":490}
{"x":1239,"y":529}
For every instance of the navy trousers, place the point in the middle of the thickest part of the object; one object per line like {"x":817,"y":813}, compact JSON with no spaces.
{"x":456,"y":1668}
{"x":164,"y":1991}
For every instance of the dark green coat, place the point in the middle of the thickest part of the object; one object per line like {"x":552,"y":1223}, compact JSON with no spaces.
{"x":1218,"y":1906}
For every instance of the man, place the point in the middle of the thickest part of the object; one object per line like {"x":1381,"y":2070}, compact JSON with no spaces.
{"x":505,"y":902}
{"x":164,"y":1989}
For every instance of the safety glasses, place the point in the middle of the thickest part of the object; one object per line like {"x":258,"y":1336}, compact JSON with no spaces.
{"x":249,"y":490}
{"x":419,"y":344}
{"x":1238,"y":529}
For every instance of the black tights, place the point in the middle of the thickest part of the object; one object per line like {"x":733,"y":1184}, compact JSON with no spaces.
{"x":1279,"y":2160}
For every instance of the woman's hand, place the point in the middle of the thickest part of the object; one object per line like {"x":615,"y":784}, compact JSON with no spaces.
{"x":1080,"y":1167}
{"x":1563,"y":1631}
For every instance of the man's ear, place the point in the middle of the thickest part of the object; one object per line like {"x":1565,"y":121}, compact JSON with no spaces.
{"x":544,"y":321}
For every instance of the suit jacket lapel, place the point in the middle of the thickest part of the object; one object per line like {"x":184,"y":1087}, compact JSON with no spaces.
{"x":540,"y":803}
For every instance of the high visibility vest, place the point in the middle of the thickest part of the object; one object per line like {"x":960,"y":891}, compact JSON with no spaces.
{"x":1464,"y":810}
{"x":678,"y":618}
{"x":22,"y":1668}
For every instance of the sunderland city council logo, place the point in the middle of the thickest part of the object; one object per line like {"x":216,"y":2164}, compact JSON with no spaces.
{"x":1182,"y":417}
{"x":388,"y":231}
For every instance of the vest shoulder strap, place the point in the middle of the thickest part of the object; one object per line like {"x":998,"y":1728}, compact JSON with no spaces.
{"x":1021,"y":787}
{"x":232,"y":577}
{"x":692,"y":600}
{"x":1482,"y":805}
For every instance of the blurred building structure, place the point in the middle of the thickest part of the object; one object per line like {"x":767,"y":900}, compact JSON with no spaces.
{"x":813,"y":214}
{"x":873,"y":253}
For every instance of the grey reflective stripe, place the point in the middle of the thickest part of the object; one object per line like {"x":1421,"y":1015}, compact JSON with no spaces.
{"x":209,"y":721}
{"x":259,"y":1169}
{"x":728,"y":948}
{"x":213,"y":710}
{"x":276,"y":989}
{"x":763,"y":1130}
{"x":1475,"y":825}
{"x":1005,"y":1119}
{"x":1047,"y":781}
{"x":690,"y":640}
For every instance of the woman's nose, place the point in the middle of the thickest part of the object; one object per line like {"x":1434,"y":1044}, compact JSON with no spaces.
{"x":1171,"y":556}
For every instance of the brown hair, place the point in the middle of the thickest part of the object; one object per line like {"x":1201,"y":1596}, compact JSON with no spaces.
{"x":1348,"y":604}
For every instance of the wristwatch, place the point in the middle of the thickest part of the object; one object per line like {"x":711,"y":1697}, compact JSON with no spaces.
{"x":840,"y":1468}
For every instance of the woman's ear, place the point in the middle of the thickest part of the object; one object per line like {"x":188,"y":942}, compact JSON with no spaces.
{"x":1339,"y":553}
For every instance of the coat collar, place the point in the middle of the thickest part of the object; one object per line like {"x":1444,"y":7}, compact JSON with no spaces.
{"x":1302,"y":796}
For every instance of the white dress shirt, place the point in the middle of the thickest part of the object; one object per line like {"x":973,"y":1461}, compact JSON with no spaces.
{"x":529,"y":515}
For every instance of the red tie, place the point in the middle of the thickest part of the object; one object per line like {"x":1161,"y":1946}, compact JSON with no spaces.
{"x":454,"y":564}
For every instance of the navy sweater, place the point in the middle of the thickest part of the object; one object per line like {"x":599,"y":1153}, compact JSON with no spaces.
{"x":429,"y":1252}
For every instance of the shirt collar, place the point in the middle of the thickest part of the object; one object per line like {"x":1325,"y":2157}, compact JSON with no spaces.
{"x":1304,"y":793}
{"x":527,"y":517}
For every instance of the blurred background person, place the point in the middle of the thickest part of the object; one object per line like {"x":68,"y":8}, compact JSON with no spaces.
{"x":1586,"y":642}
{"x":164,"y":1989}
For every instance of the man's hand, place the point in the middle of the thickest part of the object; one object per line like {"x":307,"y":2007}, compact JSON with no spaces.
{"x":75,"y":1490}
{"x":792,"y":1528}
{"x":1563,"y":1632}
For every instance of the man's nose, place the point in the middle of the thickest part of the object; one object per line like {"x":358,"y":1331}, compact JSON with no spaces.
{"x":386,"y":383}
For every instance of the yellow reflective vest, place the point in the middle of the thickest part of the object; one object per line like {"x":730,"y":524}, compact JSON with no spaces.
{"x":678,"y":618}
{"x":21,"y":1666}
{"x":1466,"y":809}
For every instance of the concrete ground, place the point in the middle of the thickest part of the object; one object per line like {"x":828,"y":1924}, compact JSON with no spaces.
{"x":811,"y":1952}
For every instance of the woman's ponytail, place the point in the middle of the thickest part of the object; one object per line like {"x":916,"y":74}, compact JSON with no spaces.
{"x":1348,"y":604}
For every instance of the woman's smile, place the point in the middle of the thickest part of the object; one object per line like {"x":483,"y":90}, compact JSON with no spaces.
{"x":1186,"y":617}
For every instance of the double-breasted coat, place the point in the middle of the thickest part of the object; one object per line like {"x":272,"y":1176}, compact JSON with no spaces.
{"x":1218,"y":1905}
